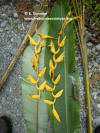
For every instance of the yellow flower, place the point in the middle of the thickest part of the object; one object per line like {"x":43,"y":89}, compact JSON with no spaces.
{"x":45,"y":36}
{"x":32,"y":41}
{"x":32,"y":80}
{"x":51,"y":64}
{"x":56,"y":80}
{"x":61,"y":44}
{"x":52,"y":68}
{"x":35,"y":57}
{"x":42,"y":72}
{"x":34,"y":96}
{"x":58,"y":94}
{"x":67,"y":20}
{"x":53,"y":50}
{"x":59,"y":59}
{"x":48,"y":102}
{"x":34,"y":65}
{"x":48,"y":88}
{"x":38,"y":51}
{"x":51,"y":73}
{"x":56,"y":114}
{"x":42,"y":86}
{"x":65,"y":23}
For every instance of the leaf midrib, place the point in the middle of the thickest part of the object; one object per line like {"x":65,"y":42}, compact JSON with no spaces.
{"x":66,"y":96}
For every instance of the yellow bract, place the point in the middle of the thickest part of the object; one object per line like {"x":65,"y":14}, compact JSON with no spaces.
{"x":67,"y":20}
{"x":61,"y":44}
{"x":38,"y":51}
{"x":65,"y":23}
{"x":58,"y":94}
{"x":32,"y":80}
{"x":32,"y":41}
{"x":42,"y":43}
{"x":45,"y":36}
{"x":53,"y":50}
{"x":34,"y":65}
{"x":34,"y":96}
{"x":56,"y":80}
{"x":56,"y":114}
{"x":68,"y":14}
{"x":42,"y":86}
{"x":51,"y":72}
{"x":60,"y":58}
{"x":48,"y":88}
{"x":48,"y":102}
{"x":51,"y":65}
{"x":35,"y":58}
{"x":52,"y":47}
{"x":52,"y":68}
{"x":42,"y":72}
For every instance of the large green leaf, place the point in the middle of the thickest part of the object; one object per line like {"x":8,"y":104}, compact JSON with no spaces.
{"x":36,"y":118}
{"x":67,"y":107}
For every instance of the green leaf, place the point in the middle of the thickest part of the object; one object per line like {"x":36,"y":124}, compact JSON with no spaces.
{"x":67,"y":107}
{"x":36,"y":118}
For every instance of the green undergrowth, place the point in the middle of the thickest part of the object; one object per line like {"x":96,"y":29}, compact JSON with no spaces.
{"x":93,"y":11}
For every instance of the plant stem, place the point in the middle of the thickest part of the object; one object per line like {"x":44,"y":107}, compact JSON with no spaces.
{"x":79,"y":11}
{"x":85,"y":66}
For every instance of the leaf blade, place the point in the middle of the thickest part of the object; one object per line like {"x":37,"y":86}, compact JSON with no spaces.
{"x":30,"y":105}
{"x":68,"y":125}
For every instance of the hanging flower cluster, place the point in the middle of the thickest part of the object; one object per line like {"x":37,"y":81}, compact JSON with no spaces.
{"x":52,"y":65}
{"x":35,"y":64}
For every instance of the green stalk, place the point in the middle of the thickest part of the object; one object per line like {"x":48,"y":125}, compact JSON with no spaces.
{"x":83,"y":47}
{"x":85,"y":66}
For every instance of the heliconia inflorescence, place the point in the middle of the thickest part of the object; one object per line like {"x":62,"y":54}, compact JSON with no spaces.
{"x":52,"y":65}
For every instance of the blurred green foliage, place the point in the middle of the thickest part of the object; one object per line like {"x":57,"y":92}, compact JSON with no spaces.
{"x":93,"y":9}
{"x":32,"y":1}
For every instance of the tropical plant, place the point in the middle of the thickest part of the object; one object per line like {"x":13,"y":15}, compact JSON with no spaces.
{"x":48,"y":77}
